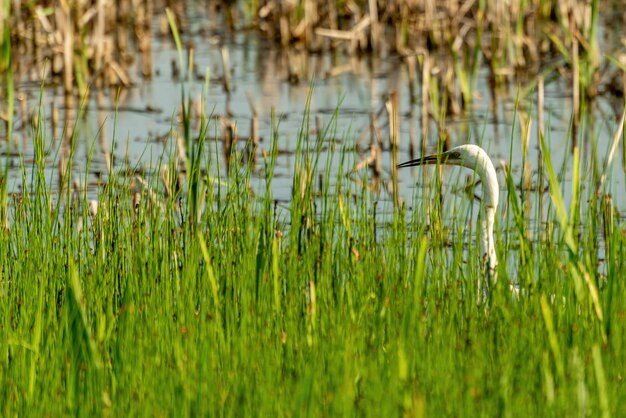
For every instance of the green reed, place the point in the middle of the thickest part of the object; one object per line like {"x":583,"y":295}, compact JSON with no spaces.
{"x":335,"y":303}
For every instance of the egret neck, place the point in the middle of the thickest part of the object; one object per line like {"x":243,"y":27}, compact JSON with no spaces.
{"x":474,"y":157}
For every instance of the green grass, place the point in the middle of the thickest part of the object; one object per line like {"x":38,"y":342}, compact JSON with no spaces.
{"x":319,"y":309}
{"x":210,"y":300}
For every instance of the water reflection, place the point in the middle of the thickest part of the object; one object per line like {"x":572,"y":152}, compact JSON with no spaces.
{"x":136,"y":126}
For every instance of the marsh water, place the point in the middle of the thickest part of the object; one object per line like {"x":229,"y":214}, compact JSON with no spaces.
{"x":136,"y":125}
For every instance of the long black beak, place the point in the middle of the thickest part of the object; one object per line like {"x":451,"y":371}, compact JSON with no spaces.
{"x":430,"y":159}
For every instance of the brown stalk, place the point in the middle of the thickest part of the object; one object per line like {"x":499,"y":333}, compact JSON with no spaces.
{"x":104,"y":148}
{"x":375,"y":29}
{"x":394,"y":125}
{"x":64,"y":19}
{"x":99,"y":38}
{"x":425,"y":97}
{"x":226,"y":69}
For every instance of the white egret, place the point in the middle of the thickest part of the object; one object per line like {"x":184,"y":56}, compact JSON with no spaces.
{"x":475,"y":158}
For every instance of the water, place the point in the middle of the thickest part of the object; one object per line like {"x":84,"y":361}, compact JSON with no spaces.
{"x":139,"y":133}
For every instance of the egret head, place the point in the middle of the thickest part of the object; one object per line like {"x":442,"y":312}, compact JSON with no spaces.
{"x":470,"y":156}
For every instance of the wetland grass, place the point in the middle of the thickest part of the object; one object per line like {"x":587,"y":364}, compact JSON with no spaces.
{"x":179,"y":293}
{"x":331,"y":304}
